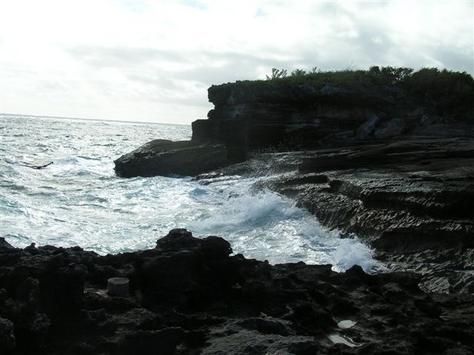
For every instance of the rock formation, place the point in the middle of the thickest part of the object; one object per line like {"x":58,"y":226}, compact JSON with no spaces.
{"x":386,"y":154}
{"x":190,"y":296}
{"x":411,"y":200}
{"x":164,"y":157}
{"x":337,"y":109}
{"x":321,"y":110}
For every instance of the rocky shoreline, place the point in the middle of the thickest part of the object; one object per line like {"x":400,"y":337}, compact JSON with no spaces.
{"x":411,"y":200}
{"x":190,"y":296}
{"x":385,"y":155}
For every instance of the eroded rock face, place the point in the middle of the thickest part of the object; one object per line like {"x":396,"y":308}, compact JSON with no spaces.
{"x":299,"y":114}
{"x":189,"y":296}
{"x":285,"y":114}
{"x":392,"y":168}
{"x":281,"y":115}
{"x":164,"y":157}
{"x":413,"y":200}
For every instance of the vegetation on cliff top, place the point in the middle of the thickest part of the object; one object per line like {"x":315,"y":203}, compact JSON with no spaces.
{"x":420,"y":79}
{"x":444,"y":91}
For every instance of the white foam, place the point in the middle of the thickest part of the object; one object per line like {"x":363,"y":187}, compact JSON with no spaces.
{"x":344,"y":340}
{"x":346,"y":324}
{"x":265,"y":225}
{"x":79,"y":201}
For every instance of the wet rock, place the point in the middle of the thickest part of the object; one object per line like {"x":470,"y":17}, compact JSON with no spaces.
{"x":163,"y":157}
{"x":412,"y":200}
{"x":216,"y":248}
{"x":191,"y":295}
{"x":4,"y":244}
{"x":178,"y":239}
{"x":298,"y":115}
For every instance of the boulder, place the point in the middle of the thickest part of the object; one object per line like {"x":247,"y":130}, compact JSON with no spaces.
{"x":167,"y":158}
{"x":4,"y":244}
{"x":190,"y":296}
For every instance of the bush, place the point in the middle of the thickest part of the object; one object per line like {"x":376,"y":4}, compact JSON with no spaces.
{"x":441,"y":91}
{"x":446,"y":91}
{"x":277,"y":74}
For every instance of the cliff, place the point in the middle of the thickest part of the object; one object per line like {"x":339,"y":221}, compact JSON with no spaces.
{"x":386,"y":154}
{"x":316,"y":110}
{"x":337,"y":108}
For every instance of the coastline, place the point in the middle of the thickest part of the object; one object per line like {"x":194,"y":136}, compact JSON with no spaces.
{"x":386,"y":154}
{"x":394,"y":169}
{"x":188,"y":296}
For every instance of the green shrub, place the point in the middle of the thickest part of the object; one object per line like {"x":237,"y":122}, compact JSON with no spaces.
{"x":441,"y":91}
{"x":277,"y":74}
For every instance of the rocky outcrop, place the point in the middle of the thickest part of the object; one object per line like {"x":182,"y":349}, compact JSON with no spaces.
{"x":190,"y":296}
{"x":164,"y":157}
{"x":284,"y":114}
{"x":412,"y":200}
{"x":385,"y":156}
{"x":336,"y":109}
{"x":387,"y":160}
{"x":327,"y":109}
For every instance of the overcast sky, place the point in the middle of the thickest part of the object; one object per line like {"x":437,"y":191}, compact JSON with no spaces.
{"x":150,"y":60}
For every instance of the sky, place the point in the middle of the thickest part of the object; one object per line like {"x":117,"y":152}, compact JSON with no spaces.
{"x":145,"y":60}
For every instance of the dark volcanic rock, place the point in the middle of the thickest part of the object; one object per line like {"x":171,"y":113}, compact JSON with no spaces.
{"x":413,"y":200}
{"x":163,"y":157}
{"x":396,"y":170}
{"x":317,"y":111}
{"x":285,"y":114}
{"x":309,"y":113}
{"x":390,"y":160}
{"x":189,"y":296}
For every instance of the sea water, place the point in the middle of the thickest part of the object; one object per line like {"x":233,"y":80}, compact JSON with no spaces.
{"x":78,"y":200}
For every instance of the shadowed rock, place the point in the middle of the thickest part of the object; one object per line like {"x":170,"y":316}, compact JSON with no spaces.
{"x":164,"y":157}
{"x":190,"y":296}
{"x":413,"y":200}
{"x":320,"y":110}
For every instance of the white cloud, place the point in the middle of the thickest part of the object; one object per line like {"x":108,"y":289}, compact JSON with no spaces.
{"x":153,"y":60}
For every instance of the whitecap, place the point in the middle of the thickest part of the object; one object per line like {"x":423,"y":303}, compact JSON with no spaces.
{"x":79,"y":201}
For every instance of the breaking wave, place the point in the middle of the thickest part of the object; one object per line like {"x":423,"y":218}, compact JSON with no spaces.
{"x":78,"y":200}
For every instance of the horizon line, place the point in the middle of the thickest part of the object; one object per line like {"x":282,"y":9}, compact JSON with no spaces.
{"x":90,"y":119}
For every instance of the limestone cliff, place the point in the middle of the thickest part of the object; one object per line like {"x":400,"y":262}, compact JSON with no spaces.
{"x":339,"y":108}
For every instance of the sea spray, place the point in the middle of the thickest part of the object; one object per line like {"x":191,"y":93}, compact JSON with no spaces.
{"x":267,"y":226}
{"x":78,"y":200}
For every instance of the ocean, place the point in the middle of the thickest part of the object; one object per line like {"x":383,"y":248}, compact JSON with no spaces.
{"x":78,"y":200}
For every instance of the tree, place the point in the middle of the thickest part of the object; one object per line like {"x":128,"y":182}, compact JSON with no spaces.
{"x":298,"y":72}
{"x":277,"y":74}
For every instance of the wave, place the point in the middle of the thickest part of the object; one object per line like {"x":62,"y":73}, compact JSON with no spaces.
{"x":78,"y":200}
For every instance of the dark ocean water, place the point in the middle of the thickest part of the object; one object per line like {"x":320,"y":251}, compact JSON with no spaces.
{"x":78,"y":200}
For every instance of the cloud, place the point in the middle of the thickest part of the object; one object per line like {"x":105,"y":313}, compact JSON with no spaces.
{"x":196,"y":3}
{"x":150,"y":60}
